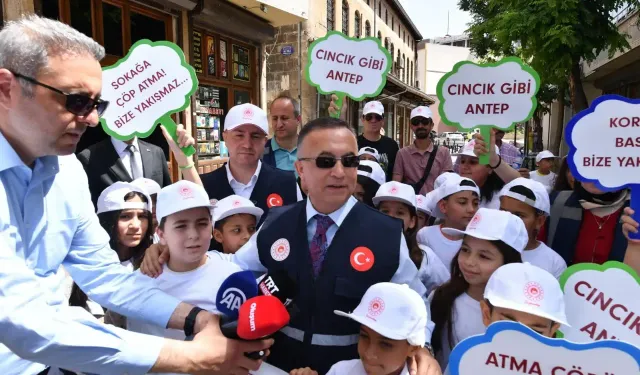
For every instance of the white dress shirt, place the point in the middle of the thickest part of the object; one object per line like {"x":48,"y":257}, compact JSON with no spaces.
{"x":248,"y":259}
{"x":245,"y":190}
{"x":125,"y":156}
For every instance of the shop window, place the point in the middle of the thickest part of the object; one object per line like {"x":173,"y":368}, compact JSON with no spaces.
{"x":145,"y":27}
{"x":241,"y":67}
{"x":48,"y":9}
{"x":345,"y":17}
{"x":112,"y":23}
{"x":81,"y":16}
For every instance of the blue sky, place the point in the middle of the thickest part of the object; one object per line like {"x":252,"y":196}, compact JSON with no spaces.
{"x":430,"y":16}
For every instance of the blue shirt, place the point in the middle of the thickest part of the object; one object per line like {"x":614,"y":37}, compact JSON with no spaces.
{"x":47,"y":220}
{"x":284,"y":158}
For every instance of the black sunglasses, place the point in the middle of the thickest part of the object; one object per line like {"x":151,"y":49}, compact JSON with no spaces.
{"x":328,"y":162}
{"x":371,"y":116}
{"x":416,"y":121}
{"x":78,"y":104}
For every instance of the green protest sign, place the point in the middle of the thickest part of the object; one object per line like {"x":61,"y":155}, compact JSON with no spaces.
{"x":496,"y":95}
{"x":145,"y":87}
{"x":338,"y":64}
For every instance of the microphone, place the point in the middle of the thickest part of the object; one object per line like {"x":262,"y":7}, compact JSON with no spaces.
{"x":234,"y":292}
{"x":259,"y":318}
{"x":279,"y":285}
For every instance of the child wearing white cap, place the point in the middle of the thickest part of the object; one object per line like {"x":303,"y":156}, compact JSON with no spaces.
{"x":544,"y":175}
{"x":455,"y":203}
{"x":184,"y":213}
{"x":392,"y":320}
{"x":529,"y":200}
{"x":492,"y":239}
{"x":370,"y":177}
{"x":124,"y":211}
{"x":424,"y":212}
{"x":483,"y":175}
{"x":369,"y":153}
{"x":152,"y":188}
{"x":399,"y":200}
{"x":235,"y":221}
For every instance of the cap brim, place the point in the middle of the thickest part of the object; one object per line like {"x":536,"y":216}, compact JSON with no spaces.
{"x":458,"y":232}
{"x":372,"y":111}
{"x":505,"y":304}
{"x":424,"y":211}
{"x":375,"y":326}
{"x":255,"y":211}
{"x":248,"y":123}
{"x":378,"y":200}
{"x":184,"y":208}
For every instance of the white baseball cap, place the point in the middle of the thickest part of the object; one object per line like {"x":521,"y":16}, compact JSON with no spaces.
{"x":373,"y":107}
{"x":233,"y":205}
{"x":429,"y":199}
{"x":494,"y":225}
{"x":544,"y":155}
{"x":149,"y":185}
{"x":467,"y":149}
{"x":541,"y":200}
{"x":527,"y":288}
{"x":422,"y":204}
{"x":373,"y":170}
{"x":453,"y":185}
{"x":369,"y":151}
{"x":421,"y":111}
{"x":394,"y":311}
{"x":395,"y":191}
{"x":246,"y":114}
{"x":180,"y":196}
{"x":440,"y":180}
{"x":112,"y":198}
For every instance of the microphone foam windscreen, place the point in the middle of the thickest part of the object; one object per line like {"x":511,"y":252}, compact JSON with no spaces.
{"x":235,"y":291}
{"x":278,"y":284}
{"x":260,"y":317}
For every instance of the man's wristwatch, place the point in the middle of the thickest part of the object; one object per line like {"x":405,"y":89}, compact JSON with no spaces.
{"x":190,"y":321}
{"x":427,"y":345}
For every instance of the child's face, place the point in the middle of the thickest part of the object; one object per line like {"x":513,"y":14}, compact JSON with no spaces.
{"x":359,"y":193}
{"x":422,"y":219}
{"x":545,"y":165}
{"x":236,"y":231}
{"x":470,"y":167}
{"x":459,"y":208}
{"x":400,"y":211}
{"x":478,"y":259}
{"x":132,"y":225}
{"x":532,"y":221}
{"x":367,"y":157}
{"x":543,"y":326}
{"x":380,"y":355}
{"x":187,"y":234}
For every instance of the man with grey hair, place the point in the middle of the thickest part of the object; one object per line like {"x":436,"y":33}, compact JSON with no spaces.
{"x":281,"y":151}
{"x":50,"y":83}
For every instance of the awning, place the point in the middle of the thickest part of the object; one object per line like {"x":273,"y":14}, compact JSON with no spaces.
{"x":405,"y":92}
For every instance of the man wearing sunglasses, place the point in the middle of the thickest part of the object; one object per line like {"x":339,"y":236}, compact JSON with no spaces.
{"x":422,"y":162}
{"x":50,"y":84}
{"x":245,"y":132}
{"x":373,"y":121}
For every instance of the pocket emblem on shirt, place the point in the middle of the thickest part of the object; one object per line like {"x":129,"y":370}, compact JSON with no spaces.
{"x":362,"y":259}
{"x":274,"y":200}
{"x":280,"y":250}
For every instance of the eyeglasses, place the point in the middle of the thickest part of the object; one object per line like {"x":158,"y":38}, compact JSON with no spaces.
{"x":417,"y":121}
{"x":328,"y":162}
{"x":78,"y":104}
{"x":371,"y":116}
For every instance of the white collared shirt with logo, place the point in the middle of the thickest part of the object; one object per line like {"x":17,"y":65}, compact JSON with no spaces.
{"x":354,"y":367}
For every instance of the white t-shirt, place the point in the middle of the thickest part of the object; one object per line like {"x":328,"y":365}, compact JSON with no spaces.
{"x":354,"y":367}
{"x":467,"y":322}
{"x":546,"y":258}
{"x":432,"y":272}
{"x":547,"y":180}
{"x":198,"y":287}
{"x":443,"y":247}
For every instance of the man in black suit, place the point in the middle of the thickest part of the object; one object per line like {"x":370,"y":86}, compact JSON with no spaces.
{"x":113,"y":160}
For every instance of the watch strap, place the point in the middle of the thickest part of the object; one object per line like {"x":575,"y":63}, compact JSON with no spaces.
{"x":190,"y":321}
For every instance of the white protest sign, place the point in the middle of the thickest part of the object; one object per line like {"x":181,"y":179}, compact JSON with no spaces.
{"x":348,"y":66}
{"x":602,"y":302}
{"x":509,"y":348}
{"x":144,"y":88}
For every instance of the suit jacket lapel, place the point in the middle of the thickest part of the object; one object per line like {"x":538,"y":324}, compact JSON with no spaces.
{"x":117,"y":169}
{"x":147,"y":159}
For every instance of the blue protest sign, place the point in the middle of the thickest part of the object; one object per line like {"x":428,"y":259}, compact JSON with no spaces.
{"x":510,"y":348}
{"x":604,"y":146}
